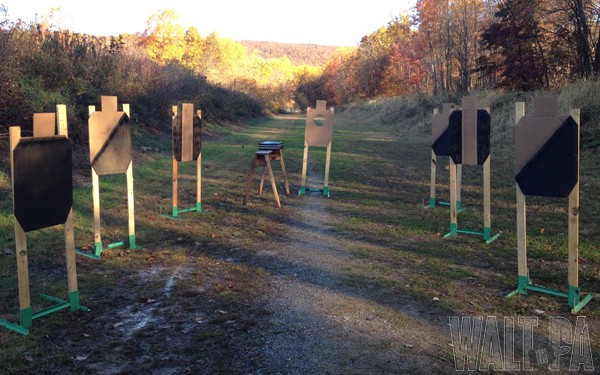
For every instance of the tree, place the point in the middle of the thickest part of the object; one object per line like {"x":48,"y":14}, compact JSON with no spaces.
{"x":164,"y":37}
{"x":517,"y":39}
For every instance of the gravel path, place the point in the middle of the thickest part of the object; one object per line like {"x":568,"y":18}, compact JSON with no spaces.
{"x":318,"y":325}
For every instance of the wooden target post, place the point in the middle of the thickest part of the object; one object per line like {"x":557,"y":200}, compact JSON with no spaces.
{"x":319,"y":135}
{"x":440,"y":146}
{"x":470,"y":145}
{"x":42,"y":186}
{"x":187,"y":146}
{"x":110,"y":153}
{"x":547,"y":165}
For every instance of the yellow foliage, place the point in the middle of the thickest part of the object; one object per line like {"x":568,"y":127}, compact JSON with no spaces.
{"x":164,"y":37}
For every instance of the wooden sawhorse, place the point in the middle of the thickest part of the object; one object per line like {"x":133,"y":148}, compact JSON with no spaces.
{"x":263,"y":158}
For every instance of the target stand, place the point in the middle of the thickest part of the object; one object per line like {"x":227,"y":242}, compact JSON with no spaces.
{"x":440,"y":146}
{"x":110,"y":153}
{"x":267,"y":152}
{"x":187,"y":146}
{"x":470,"y":145}
{"x":317,"y":135}
{"x":547,"y":165}
{"x":42,"y":186}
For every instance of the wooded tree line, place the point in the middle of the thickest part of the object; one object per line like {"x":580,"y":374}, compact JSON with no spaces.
{"x":456,"y":46}
{"x":446,"y":47}
{"x":43,"y":65}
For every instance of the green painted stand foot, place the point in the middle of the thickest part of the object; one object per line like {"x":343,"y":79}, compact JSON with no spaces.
{"x":433,"y":203}
{"x":302,"y":190}
{"x":572,"y":296}
{"x":485,"y":235}
{"x":26,"y":316}
{"x":99,"y":249}
{"x":176,"y":211}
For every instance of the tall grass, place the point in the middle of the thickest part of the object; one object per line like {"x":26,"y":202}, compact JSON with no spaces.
{"x":414,"y":112}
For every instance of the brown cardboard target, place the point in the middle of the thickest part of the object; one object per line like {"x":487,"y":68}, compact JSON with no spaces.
{"x":547,"y":151}
{"x":110,"y":139}
{"x":533,"y":131}
{"x":44,"y":124}
{"x":187,"y":134}
{"x":314,"y":134}
{"x":469,"y":130}
{"x":440,"y":135}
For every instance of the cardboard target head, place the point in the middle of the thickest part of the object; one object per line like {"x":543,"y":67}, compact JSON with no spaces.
{"x":187,"y":133}
{"x":547,"y":151}
{"x":440,"y":133}
{"x":315,"y":134}
{"x":110,"y":138}
{"x":469,"y":133}
{"x":42,"y":181}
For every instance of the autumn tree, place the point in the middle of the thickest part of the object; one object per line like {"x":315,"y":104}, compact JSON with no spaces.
{"x":517,"y":39}
{"x":164,"y":37}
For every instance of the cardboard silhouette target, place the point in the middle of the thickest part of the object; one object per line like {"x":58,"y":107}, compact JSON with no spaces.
{"x":110,"y":139}
{"x":42,"y":185}
{"x":110,"y":153}
{"x":318,"y":133}
{"x":440,"y":146}
{"x":469,"y":135}
{"x":547,"y":165}
{"x":187,"y":146}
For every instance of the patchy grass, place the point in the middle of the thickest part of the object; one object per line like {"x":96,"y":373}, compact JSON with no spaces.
{"x":193,"y":299}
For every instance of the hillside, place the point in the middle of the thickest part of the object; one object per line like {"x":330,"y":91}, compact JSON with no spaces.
{"x":309,"y":54}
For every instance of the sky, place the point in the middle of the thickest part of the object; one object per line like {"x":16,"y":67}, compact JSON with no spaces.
{"x":325,"y":22}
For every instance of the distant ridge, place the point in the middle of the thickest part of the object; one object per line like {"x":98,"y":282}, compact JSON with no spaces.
{"x":308,"y":54}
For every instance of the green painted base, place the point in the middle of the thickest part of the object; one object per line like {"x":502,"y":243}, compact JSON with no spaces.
{"x":433,"y":203}
{"x":304,"y":189}
{"x":176,"y":211}
{"x":572,"y":296}
{"x":14,"y":327}
{"x":99,"y":249}
{"x":26,"y":316}
{"x":485,"y":235}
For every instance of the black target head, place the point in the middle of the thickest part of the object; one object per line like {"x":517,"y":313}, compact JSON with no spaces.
{"x":43,"y":182}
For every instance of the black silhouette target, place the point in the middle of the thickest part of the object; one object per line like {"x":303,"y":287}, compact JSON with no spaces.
{"x":43,"y":182}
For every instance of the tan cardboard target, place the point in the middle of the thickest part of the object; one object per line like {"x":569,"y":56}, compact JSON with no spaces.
{"x":533,"y":131}
{"x":110,"y":139}
{"x":319,"y":135}
{"x":439,"y":124}
{"x":315,"y":134}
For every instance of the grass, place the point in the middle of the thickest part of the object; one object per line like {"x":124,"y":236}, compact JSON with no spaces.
{"x":396,"y":254}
